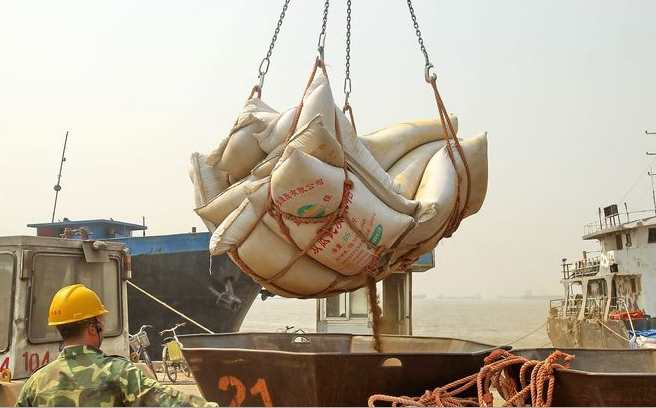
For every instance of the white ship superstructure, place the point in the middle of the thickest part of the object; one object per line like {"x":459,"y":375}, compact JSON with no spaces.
{"x":610,"y":294}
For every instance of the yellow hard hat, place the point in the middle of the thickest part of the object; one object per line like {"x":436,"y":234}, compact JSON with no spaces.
{"x":74,"y":303}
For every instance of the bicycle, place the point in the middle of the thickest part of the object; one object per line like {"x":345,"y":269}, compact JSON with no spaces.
{"x":172,"y":358}
{"x":138,"y":343}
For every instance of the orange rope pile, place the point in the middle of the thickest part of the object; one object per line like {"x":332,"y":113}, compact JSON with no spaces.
{"x":539,"y":385}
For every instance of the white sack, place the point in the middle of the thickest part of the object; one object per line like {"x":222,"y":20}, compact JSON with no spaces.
{"x":239,"y":152}
{"x":389,"y":144}
{"x":305,"y":277}
{"x":341,"y":248}
{"x":217,"y":209}
{"x":276,"y":131}
{"x":437,"y":193}
{"x":208,"y":181}
{"x":409,"y":169}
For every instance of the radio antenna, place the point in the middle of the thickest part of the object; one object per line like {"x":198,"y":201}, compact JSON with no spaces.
{"x":57,"y":186}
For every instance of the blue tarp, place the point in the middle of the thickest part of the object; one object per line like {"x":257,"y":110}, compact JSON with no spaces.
{"x":651,"y":333}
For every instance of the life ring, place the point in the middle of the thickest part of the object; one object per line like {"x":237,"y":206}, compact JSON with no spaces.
{"x":633,"y":314}
{"x":5,"y":375}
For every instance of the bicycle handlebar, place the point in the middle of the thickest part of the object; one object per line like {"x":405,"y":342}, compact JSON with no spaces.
{"x":173,"y":328}
{"x":142,"y":329}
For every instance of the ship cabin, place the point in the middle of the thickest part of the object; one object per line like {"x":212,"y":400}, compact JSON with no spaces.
{"x":87,"y":229}
{"x":611,"y":285}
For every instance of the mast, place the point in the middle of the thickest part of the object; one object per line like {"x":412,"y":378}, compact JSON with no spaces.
{"x":651,"y":175}
{"x":57,"y":186}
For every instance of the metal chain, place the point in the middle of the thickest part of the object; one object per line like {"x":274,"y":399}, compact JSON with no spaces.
{"x":428,"y":65}
{"x":347,"y":79}
{"x":265,"y":68}
{"x":322,"y":36}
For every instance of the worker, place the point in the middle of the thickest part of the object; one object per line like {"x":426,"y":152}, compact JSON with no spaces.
{"x":82,"y":375}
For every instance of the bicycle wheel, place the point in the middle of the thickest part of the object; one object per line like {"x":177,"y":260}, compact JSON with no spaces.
{"x":149,"y":363}
{"x":169,"y":367}
{"x":185,"y":368}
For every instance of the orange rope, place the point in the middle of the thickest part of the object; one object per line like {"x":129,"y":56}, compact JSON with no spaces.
{"x":494,"y":373}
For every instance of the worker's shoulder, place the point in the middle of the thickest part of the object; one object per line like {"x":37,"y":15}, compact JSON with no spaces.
{"x":115,"y":359}
{"x":110,"y":363}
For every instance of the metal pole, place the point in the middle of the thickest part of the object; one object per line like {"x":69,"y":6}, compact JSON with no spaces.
{"x":626,"y":208}
{"x":57,"y":186}
{"x":653,"y":194}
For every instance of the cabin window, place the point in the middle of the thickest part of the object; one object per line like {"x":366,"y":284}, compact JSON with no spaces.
{"x":336,"y":306}
{"x":618,"y":241}
{"x":652,"y":236}
{"x":52,"y":272}
{"x":358,"y":305}
{"x":628,"y":239}
{"x":6,"y":299}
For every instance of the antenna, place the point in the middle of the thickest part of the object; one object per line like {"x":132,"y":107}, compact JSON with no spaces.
{"x":57,"y":186}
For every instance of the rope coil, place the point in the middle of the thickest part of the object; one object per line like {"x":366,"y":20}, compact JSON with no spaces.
{"x":537,"y":381}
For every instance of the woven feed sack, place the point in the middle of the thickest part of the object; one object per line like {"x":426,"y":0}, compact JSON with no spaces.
{"x":266,"y":255}
{"x":340,"y":246}
{"x":208,"y":181}
{"x":389,"y":144}
{"x":238,"y":153}
{"x":217,"y":209}
{"x":318,"y":100}
{"x":312,"y":139}
{"x":438,"y":190}
{"x":265,"y":167}
{"x":409,"y":169}
{"x":276,"y":131}
{"x":361,"y":161}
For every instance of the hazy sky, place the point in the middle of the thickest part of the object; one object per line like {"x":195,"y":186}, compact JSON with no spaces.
{"x":566,"y":90}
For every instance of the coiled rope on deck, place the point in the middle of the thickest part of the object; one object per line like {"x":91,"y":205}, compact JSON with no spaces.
{"x":536,"y":379}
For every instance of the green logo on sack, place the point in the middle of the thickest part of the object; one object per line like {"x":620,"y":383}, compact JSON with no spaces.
{"x":311,"y":211}
{"x":377,"y":235}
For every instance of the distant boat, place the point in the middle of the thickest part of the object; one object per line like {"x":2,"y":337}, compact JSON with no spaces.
{"x":419,"y":296}
{"x":528,"y":295}
{"x":475,"y":296}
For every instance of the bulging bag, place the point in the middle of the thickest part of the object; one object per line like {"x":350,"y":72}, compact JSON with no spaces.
{"x":238,"y":153}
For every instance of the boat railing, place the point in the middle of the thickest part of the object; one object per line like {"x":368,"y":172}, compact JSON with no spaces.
{"x":582,"y":268}
{"x":563,"y":308}
{"x":595,"y":306}
{"x":619,"y":304}
{"x":614,"y":220}
{"x":568,"y":308}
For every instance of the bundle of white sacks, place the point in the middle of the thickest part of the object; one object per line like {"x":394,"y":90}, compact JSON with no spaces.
{"x":402,"y":189}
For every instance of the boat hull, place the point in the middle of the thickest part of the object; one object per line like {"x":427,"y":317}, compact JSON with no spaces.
{"x":601,"y":378}
{"x":176,"y":270}
{"x":612,"y":334}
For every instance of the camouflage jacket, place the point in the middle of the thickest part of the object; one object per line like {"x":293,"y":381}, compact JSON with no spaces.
{"x":85,"y":376}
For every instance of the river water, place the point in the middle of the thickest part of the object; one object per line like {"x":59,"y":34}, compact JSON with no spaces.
{"x":490,"y":321}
